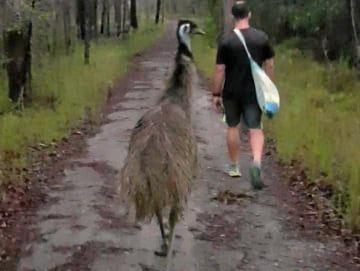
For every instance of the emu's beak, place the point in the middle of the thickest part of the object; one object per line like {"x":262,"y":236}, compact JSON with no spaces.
{"x":199,"y":31}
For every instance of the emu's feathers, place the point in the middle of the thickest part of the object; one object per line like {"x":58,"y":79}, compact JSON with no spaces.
{"x":162,"y":155}
{"x":161,"y":161}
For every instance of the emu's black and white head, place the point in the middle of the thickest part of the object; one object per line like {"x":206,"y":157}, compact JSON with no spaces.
{"x":185,"y":30}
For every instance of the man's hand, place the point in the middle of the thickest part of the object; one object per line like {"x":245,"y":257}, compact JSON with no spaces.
{"x":217,"y":103}
{"x":269,"y":68}
{"x":219,"y":79}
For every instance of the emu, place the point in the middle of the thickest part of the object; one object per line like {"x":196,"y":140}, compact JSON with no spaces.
{"x":162,"y":157}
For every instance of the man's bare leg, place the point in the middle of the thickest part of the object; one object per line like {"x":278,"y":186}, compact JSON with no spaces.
{"x":257,"y":140}
{"x":233,"y":142}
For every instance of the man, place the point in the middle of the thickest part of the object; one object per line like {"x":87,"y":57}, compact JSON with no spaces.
{"x":234,"y":88}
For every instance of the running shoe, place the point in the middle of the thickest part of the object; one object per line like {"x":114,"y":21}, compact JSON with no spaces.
{"x":234,"y":171}
{"x":255,"y":178}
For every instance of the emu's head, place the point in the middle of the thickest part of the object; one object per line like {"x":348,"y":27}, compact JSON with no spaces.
{"x":185,"y":30}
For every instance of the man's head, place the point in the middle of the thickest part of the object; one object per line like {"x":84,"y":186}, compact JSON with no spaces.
{"x":241,"y":11}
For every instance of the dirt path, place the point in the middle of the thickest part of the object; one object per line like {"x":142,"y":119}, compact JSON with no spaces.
{"x":83,"y":226}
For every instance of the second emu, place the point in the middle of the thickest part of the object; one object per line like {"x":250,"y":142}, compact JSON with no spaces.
{"x":162,"y":157}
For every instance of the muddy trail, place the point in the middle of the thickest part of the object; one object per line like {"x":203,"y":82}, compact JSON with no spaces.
{"x":83,"y":226}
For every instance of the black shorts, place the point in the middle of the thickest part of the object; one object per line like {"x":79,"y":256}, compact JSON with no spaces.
{"x":250,"y":113}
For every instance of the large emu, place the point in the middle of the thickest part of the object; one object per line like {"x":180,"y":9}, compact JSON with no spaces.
{"x":162,"y":160}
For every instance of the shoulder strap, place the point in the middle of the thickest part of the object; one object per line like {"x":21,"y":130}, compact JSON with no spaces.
{"x":242,"y":39}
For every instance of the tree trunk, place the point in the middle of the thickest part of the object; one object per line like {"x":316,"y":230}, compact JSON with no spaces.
{"x":80,"y":18}
{"x":355,"y":32}
{"x":125,"y":16}
{"x":158,"y":9}
{"x":118,"y":15}
{"x":94,"y":19}
{"x":108,"y":29}
{"x":17,"y":47}
{"x":104,"y":16}
{"x":54,"y":46}
{"x":163,"y":12}
{"x":28,"y":61}
{"x":84,"y":14}
{"x":87,"y":34}
{"x":15,"y":51}
{"x":228,"y":24}
{"x":133,"y":14}
{"x":67,"y":28}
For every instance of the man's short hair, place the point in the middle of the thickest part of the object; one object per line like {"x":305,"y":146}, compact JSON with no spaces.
{"x":240,"y":10}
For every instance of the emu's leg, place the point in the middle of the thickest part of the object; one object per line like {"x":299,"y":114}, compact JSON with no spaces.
{"x":173,"y":219}
{"x":164,"y":247}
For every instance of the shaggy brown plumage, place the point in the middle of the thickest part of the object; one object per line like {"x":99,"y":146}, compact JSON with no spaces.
{"x":161,"y":162}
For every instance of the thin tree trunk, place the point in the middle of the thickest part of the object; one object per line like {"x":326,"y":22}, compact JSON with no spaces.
{"x":158,"y":9}
{"x":108,"y":29}
{"x":118,"y":15}
{"x":17,"y":45}
{"x":15,"y":51}
{"x":133,"y":15}
{"x":94,"y":19}
{"x":86,"y":10}
{"x":227,"y":16}
{"x":67,"y":28}
{"x":103,"y":16}
{"x":163,"y":12}
{"x":54,"y":40}
{"x":28,"y":61}
{"x":125,"y":16}
{"x":356,"y":37}
{"x":80,"y":18}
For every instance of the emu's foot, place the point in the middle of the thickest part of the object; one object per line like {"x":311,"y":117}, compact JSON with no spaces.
{"x":163,"y":252}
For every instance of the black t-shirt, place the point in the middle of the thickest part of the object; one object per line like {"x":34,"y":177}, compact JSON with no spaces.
{"x":239,"y":83}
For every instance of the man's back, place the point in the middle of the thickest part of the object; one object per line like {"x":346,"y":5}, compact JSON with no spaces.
{"x":239,"y":83}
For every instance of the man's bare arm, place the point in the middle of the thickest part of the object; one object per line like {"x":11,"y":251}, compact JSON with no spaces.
{"x":219,"y":79}
{"x":269,"y":68}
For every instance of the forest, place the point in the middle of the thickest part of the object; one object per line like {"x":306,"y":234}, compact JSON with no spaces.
{"x":46,"y":45}
{"x":62,"y":63}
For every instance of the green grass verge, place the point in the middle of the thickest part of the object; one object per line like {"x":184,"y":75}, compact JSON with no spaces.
{"x":319,"y":122}
{"x":64,"y":91}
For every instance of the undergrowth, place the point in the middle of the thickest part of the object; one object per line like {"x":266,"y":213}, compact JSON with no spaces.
{"x":319,"y":122}
{"x":65,"y":92}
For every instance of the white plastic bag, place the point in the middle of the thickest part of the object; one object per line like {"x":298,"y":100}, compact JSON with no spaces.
{"x":267,"y":94}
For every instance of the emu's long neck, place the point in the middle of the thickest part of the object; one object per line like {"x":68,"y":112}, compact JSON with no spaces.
{"x":179,"y":89}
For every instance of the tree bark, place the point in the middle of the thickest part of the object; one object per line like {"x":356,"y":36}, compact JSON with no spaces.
{"x":94,"y":19}
{"x":15,"y":51}
{"x":87,"y":33}
{"x":83,"y":18}
{"x":158,"y":9}
{"x":125,"y":16}
{"x":104,"y":16}
{"x":118,"y":15}
{"x":133,"y":15}
{"x":163,"y":12}
{"x":80,"y":18}
{"x":108,"y":28}
{"x":355,"y":32}
{"x":17,"y":46}
{"x":228,"y":25}
{"x":67,"y":27}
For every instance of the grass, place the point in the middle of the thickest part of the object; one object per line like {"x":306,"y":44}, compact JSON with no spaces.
{"x":65,"y":91}
{"x":319,"y":122}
